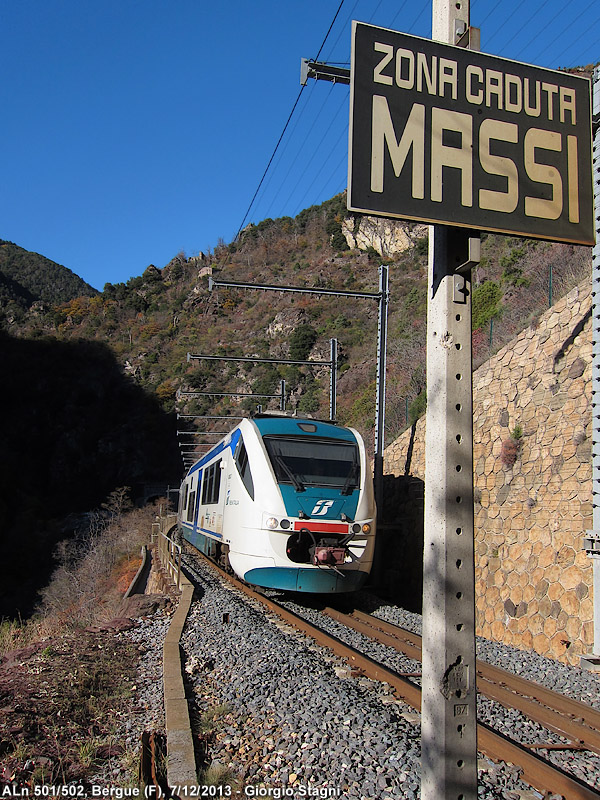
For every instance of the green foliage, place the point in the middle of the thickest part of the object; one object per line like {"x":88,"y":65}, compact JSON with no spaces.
{"x":422,"y":246}
{"x":417,"y":408}
{"x":267,"y":380}
{"x":416,"y":301}
{"x":363,"y":408}
{"x":302,"y":341}
{"x":28,"y":277}
{"x":512,"y":271}
{"x":333,"y":227}
{"x":487,"y":303}
{"x":309,"y":400}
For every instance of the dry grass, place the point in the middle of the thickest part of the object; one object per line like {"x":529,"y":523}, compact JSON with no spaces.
{"x":62,"y":685}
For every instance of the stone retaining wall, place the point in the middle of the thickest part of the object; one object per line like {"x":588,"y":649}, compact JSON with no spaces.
{"x":533,"y":484}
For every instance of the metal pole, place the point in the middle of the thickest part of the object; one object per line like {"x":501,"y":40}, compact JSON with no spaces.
{"x":380,"y":391}
{"x":333,"y":380}
{"x":592,"y":542}
{"x":449,"y":711}
{"x":282,"y":396}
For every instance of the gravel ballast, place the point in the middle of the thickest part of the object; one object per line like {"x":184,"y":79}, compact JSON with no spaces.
{"x":289,"y":715}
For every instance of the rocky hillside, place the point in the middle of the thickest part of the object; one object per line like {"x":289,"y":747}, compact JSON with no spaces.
{"x":152,"y":321}
{"x":29,"y":281}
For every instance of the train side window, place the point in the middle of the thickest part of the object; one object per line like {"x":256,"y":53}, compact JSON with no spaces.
{"x":211,"y":484}
{"x":243,"y":466}
{"x":184,"y":500}
{"x":191,"y":506}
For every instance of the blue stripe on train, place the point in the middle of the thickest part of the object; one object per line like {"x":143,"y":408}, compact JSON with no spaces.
{"x":206,"y":544}
{"x":299,"y":579}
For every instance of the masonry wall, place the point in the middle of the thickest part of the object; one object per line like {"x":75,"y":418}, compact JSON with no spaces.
{"x":533,"y":484}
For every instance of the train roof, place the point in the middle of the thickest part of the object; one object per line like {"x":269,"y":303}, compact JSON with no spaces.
{"x":282,"y":424}
{"x":273,"y":424}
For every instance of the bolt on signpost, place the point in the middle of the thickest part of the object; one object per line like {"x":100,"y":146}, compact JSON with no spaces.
{"x":427,"y":121}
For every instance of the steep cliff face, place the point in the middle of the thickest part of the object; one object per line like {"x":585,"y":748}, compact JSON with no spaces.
{"x":388,"y":237}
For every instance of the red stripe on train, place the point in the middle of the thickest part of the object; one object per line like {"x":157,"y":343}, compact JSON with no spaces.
{"x":322,"y":527}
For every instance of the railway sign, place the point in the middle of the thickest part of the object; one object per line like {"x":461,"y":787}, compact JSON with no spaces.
{"x":446,"y":135}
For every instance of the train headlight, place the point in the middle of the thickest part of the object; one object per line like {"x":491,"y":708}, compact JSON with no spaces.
{"x":356,"y":528}
{"x":366,"y":528}
{"x":272,"y":523}
{"x":285,"y":524}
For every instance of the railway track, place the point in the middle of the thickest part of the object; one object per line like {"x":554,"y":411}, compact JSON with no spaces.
{"x":577,"y":723}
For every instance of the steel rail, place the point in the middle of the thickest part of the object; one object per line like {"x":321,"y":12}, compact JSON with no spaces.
{"x":565,"y":716}
{"x":536,"y":771}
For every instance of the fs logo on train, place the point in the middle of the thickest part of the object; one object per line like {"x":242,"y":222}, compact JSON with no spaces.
{"x":446,"y":135}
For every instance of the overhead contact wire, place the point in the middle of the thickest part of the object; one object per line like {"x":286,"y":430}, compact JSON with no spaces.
{"x":286,"y":126}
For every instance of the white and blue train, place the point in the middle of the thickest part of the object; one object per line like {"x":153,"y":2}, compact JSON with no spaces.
{"x":286,"y":503}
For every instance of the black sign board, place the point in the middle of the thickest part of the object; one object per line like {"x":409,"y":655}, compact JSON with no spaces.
{"x":446,"y":135}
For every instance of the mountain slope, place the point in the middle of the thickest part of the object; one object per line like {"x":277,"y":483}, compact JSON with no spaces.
{"x":152,"y":321}
{"x":27,"y":277}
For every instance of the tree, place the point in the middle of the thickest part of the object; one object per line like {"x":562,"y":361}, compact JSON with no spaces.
{"x":302,"y":341}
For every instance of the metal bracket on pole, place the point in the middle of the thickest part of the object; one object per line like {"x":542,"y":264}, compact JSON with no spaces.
{"x":468,"y":37}
{"x":591,"y":544}
{"x":322,"y":72}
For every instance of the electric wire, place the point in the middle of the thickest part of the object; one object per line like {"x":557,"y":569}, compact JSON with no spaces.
{"x":400,"y":10}
{"x":499,"y":30}
{"x":342,"y":164}
{"x":277,"y":162}
{"x":317,"y":150}
{"x":343,"y":28}
{"x":302,"y":146}
{"x":489,"y":14}
{"x":572,"y":44}
{"x":285,"y":127}
{"x":335,"y":147}
{"x":564,"y":30}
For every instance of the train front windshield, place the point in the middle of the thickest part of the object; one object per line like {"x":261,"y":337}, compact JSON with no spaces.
{"x":314,"y":462}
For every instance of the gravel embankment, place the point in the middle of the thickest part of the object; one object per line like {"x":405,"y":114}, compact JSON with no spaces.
{"x":291,"y":715}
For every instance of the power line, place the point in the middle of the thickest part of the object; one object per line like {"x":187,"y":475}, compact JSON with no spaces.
{"x":570,"y":45}
{"x":317,"y":149}
{"x":304,"y":143}
{"x":285,"y":127}
{"x":563,"y":30}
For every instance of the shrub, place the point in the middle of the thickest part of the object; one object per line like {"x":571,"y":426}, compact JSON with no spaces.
{"x":301,"y":342}
{"x":487,"y":303}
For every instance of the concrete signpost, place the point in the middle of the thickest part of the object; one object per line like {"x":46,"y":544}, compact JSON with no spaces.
{"x":468,"y":142}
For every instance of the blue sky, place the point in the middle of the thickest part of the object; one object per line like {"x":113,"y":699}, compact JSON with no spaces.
{"x":134,"y":129}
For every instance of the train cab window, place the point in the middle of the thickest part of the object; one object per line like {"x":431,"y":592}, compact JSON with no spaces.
{"x":211,"y":484}
{"x":191,"y":506}
{"x":243,"y":467}
{"x":314,"y":462}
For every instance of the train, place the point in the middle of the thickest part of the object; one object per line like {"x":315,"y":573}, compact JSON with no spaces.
{"x":284,"y":502}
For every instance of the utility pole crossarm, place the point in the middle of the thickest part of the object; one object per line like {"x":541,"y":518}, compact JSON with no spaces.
{"x":293,"y":289}
{"x":253,"y":360}
{"x":320,"y":71}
